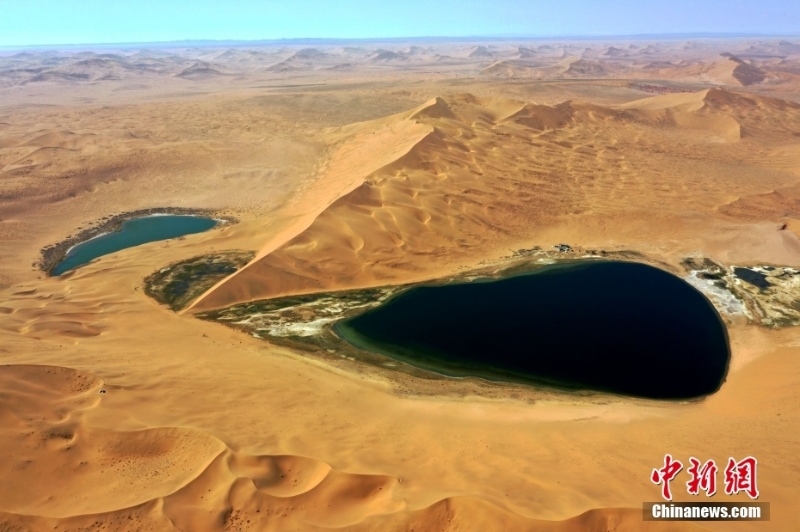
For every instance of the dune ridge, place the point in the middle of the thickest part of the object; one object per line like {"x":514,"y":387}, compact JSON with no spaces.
{"x":480,"y":176}
{"x":372,"y":147}
{"x":166,"y":478}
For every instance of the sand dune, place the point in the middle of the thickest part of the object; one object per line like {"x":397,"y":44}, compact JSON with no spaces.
{"x":586,"y":68}
{"x":179,"y":479}
{"x":387,"y":55}
{"x":101,"y":472}
{"x":767,"y":64}
{"x":373,"y":150}
{"x":120,"y":414}
{"x":486,"y":171}
{"x":689,"y":111}
{"x":480,"y":51}
{"x":286,"y":66}
{"x":199,"y":70}
{"x":745,"y":73}
{"x":69,"y":469}
{"x":734,"y":71}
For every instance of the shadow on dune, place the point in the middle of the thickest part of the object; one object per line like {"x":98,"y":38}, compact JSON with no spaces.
{"x":59,"y":472}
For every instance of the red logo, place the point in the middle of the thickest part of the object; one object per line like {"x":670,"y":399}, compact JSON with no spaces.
{"x":739,"y":476}
{"x":703,"y":478}
{"x":665,"y":475}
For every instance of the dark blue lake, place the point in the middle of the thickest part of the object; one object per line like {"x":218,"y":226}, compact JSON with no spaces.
{"x":618,"y":327}
{"x":133,"y":233}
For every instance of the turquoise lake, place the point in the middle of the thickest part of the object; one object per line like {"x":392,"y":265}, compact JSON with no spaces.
{"x":133,"y":233}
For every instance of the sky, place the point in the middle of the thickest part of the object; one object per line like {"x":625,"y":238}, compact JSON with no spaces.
{"x":114,"y":21}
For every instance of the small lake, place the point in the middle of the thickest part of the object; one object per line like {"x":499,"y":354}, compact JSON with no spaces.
{"x":132,"y":233}
{"x":618,"y":327}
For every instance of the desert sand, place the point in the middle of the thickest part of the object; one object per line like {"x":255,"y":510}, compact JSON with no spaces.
{"x":370,"y":165}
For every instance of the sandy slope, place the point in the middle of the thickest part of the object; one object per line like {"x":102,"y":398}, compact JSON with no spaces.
{"x":489,"y":176}
{"x":119,"y":414}
{"x":194,"y":428}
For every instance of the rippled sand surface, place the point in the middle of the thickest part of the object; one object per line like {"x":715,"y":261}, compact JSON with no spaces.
{"x":365,"y":166}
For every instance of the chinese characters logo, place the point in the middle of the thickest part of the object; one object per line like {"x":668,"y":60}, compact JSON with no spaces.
{"x":738,"y":476}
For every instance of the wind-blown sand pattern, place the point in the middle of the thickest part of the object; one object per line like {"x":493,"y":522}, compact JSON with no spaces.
{"x":488,"y":171}
{"x":361,"y":166}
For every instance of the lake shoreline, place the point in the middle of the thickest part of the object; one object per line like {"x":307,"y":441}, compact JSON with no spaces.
{"x":51,"y":256}
{"x":424,"y":341}
{"x":287,"y":322}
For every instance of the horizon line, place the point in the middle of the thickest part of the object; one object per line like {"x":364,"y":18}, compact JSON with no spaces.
{"x":367,"y":40}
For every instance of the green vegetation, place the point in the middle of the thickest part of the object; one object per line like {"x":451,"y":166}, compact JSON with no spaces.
{"x":180,"y":283}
